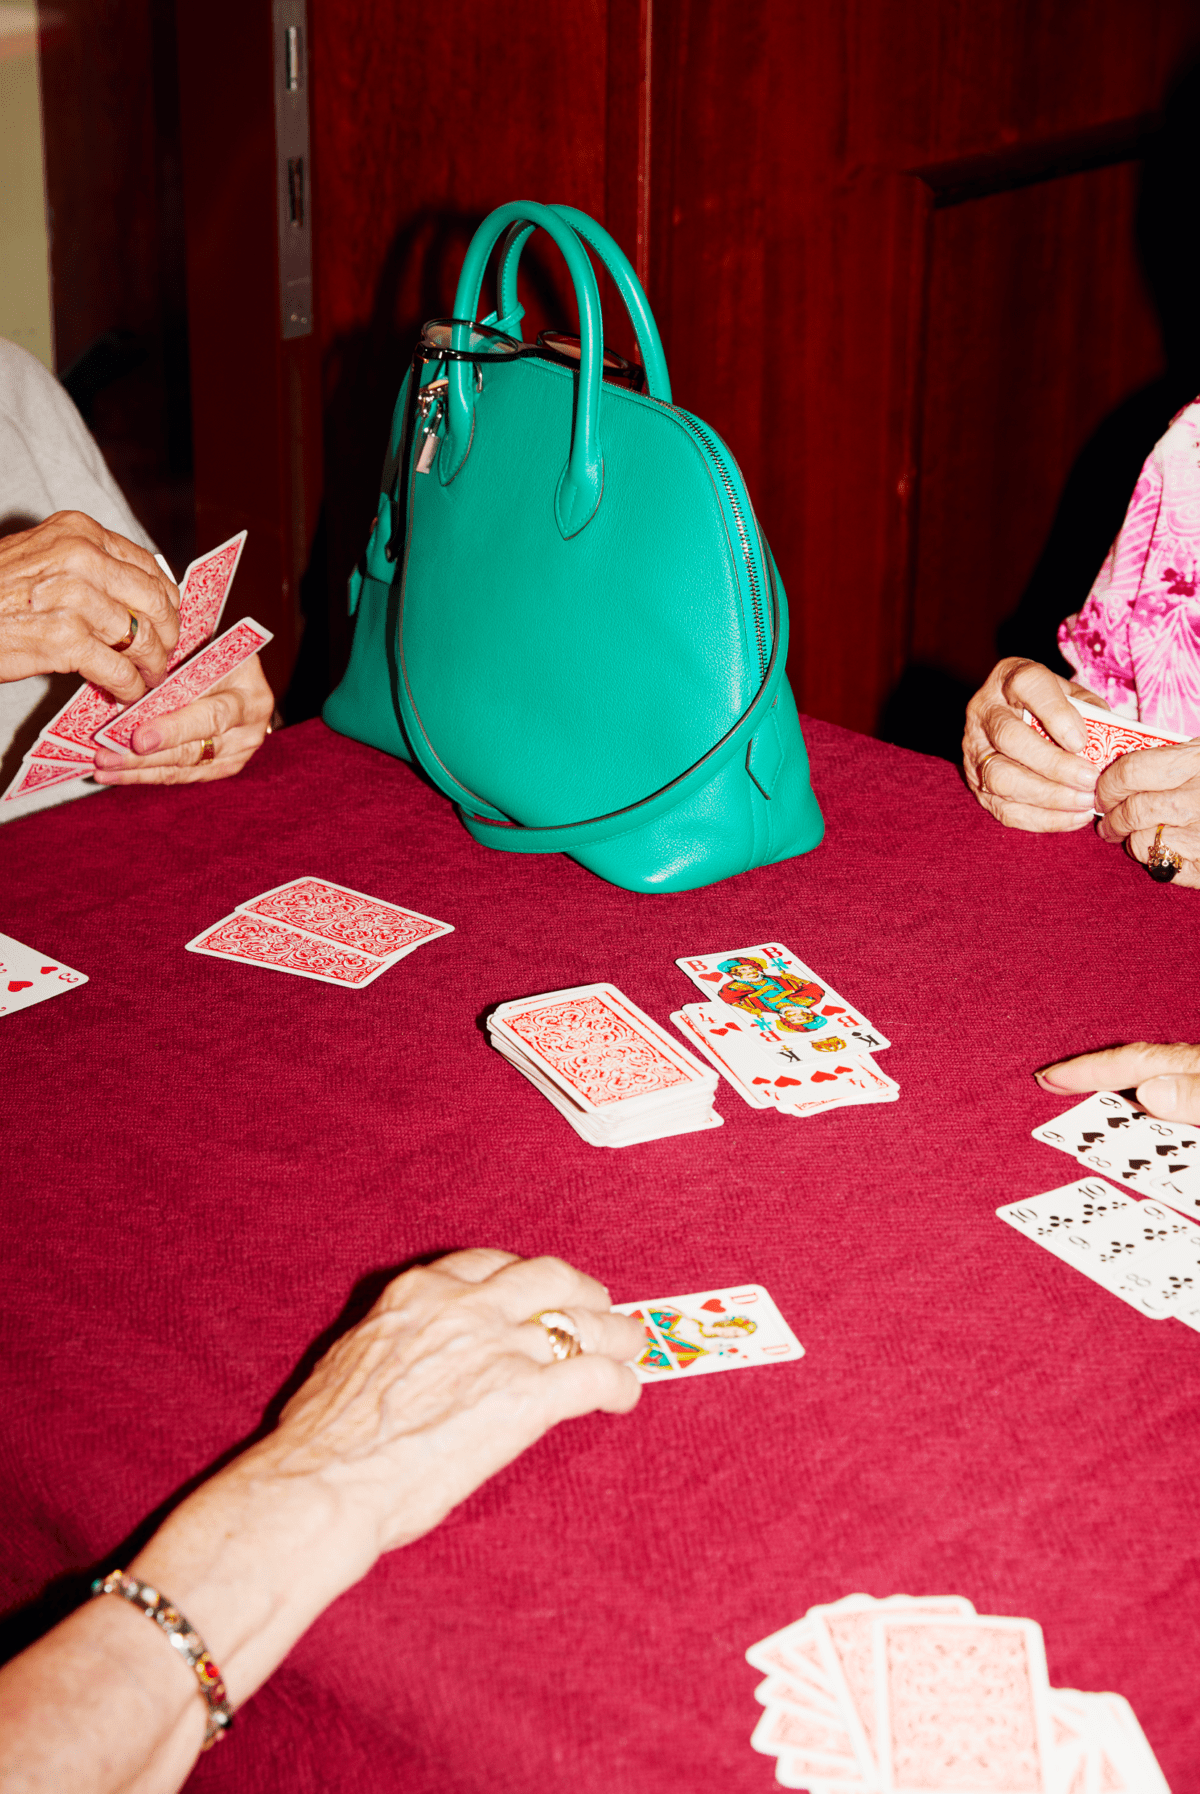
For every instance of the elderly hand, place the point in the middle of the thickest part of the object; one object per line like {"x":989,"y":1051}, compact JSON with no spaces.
{"x":1023,"y":781}
{"x":445,"y":1381}
{"x":236,"y":717}
{"x":68,"y":592}
{"x":1166,"y":1078}
{"x":1152,"y":787}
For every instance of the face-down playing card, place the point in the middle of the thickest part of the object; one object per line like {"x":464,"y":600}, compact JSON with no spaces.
{"x":192,"y":680}
{"x":331,"y":912}
{"x":770,"y":981}
{"x":28,"y":977}
{"x":600,"y":1049}
{"x":1142,"y":1252}
{"x":715,"y":1330}
{"x":254,"y":940}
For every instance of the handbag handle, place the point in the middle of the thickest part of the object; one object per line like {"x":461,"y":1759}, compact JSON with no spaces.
{"x":582,"y":482}
{"x":633,"y":295}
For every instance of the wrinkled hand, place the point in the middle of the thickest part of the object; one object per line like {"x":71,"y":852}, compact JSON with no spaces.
{"x":445,"y":1382}
{"x":67,"y":588}
{"x":1156,"y":785}
{"x":1026,"y":782}
{"x":237,"y":717}
{"x":1166,"y":1078}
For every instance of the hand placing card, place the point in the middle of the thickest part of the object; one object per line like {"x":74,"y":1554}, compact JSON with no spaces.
{"x":27,"y":977}
{"x":615,"y":1075}
{"x":1141,"y":1251}
{"x":910,"y":1694}
{"x":780,"y":1035}
{"x":66,"y":746}
{"x":719,"y":1329}
{"x":314,"y":928}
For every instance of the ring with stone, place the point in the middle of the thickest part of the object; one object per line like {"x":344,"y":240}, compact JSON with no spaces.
{"x":1162,"y":864}
{"x":563,"y":1334}
{"x":207,"y":751}
{"x":126,"y":641}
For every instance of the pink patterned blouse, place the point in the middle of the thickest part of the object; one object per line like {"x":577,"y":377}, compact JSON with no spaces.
{"x":1136,"y":640}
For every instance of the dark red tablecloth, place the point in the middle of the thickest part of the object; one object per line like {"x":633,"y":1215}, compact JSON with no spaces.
{"x":204,"y":1161}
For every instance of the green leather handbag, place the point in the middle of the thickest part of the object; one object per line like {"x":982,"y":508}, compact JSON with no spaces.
{"x":567,"y":614}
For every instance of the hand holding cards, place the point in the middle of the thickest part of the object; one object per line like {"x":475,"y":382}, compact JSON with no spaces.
{"x":906,"y":1695}
{"x":615,"y":1075}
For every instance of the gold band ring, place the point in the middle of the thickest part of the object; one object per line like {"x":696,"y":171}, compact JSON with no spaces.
{"x":1162,"y":864}
{"x":207,"y":751}
{"x":981,"y":771}
{"x":126,"y":641}
{"x":561,"y":1331}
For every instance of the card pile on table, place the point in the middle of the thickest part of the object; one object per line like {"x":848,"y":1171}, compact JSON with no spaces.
{"x":316,"y":929}
{"x":907,"y":1695}
{"x":780,"y":1034}
{"x":28,"y":977}
{"x":617,"y":1077}
{"x":1141,"y":1251}
{"x":1109,"y":1134}
{"x":91,"y":717}
{"x":717,"y":1329}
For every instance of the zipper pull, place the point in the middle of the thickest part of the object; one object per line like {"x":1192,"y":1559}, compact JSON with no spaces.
{"x":431,"y":403}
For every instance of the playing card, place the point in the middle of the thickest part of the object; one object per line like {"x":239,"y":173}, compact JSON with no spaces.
{"x":599,"y":1048}
{"x":331,"y":912}
{"x":718,"y":1329}
{"x":190,"y":681}
{"x":202,"y":595}
{"x":1140,"y":1251}
{"x":28,"y":977}
{"x":1110,"y":1134}
{"x":38,"y":775}
{"x":1109,"y":736}
{"x":770,"y":981}
{"x":844,"y":1634}
{"x":793,"y":1654}
{"x":612,"y":1130}
{"x":961,"y":1703}
{"x":86,"y":711}
{"x":47,"y":748}
{"x":252,"y":940}
{"x":761,"y":1062}
{"x":758,"y":1097}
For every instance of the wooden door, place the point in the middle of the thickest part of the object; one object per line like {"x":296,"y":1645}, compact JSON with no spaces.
{"x":891,"y":250}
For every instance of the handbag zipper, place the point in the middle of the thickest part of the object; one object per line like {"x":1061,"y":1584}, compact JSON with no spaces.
{"x":431,"y":403}
{"x":713,"y":445}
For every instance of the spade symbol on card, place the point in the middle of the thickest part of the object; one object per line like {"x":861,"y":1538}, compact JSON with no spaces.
{"x":1090,"y":1138}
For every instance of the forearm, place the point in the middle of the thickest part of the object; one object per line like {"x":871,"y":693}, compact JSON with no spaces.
{"x":103,"y":1705}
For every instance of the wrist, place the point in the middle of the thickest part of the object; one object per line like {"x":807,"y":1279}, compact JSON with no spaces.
{"x":252,"y":1559}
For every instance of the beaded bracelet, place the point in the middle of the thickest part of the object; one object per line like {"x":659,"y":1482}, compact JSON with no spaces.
{"x":187,"y":1642}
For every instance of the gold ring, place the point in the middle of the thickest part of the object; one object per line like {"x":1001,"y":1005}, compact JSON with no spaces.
{"x":126,"y":641}
{"x":207,"y":751}
{"x":981,"y":771}
{"x":1162,"y":864}
{"x":562,"y":1332}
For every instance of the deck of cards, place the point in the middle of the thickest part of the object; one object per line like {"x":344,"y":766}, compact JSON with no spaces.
{"x":780,"y":1035}
{"x":1110,"y":735}
{"x":908,"y":1695}
{"x":717,"y":1329}
{"x":66,"y":747}
{"x":617,"y":1077}
{"x":314,"y":928}
{"x":28,"y":977}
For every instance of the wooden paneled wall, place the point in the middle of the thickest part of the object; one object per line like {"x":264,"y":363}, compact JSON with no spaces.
{"x":890,"y":250}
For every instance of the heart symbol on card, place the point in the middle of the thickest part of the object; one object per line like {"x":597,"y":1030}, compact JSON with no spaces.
{"x":712,"y":977}
{"x":762,"y":1080}
{"x":788,"y":1083}
{"x":824,"y":1077}
{"x":833,"y":1009}
{"x":20,"y":983}
{"x":724,"y":1030}
{"x":714,"y":1307}
{"x":49,"y":969}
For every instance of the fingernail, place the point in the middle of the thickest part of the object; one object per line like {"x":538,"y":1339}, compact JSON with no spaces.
{"x":1046,"y":1080}
{"x":147,"y":739}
